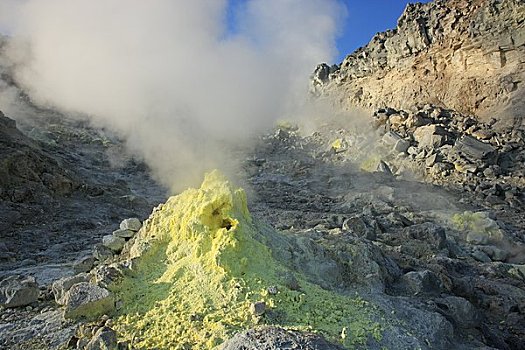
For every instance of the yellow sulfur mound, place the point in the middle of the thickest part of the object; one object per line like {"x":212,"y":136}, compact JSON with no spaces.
{"x":479,"y":223}
{"x":199,"y":265}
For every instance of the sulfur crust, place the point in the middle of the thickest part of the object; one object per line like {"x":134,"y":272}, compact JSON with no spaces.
{"x":370,"y":163}
{"x":199,"y":267}
{"x":337,"y":144}
{"x":477,"y":222}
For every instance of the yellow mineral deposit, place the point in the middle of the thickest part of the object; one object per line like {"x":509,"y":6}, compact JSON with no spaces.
{"x":338,"y":144}
{"x":200,"y":264}
{"x":369,"y":162}
{"x":477,"y":222}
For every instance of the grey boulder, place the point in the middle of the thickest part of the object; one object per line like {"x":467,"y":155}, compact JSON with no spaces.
{"x":102,"y":253}
{"x":275,"y":338}
{"x":105,"y":338}
{"x":422,"y":282}
{"x":18,"y":291}
{"x":460,"y":310}
{"x":132,"y":224}
{"x":475,"y":150}
{"x":86,"y":300}
{"x":430,"y":136}
{"x":113,"y":242}
{"x":428,"y":232}
{"x":62,"y":286}
{"x":124,"y":233}
{"x":84,"y":264}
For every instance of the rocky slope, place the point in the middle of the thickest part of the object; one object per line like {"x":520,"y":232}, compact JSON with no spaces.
{"x":462,"y":55}
{"x":403,"y":230}
{"x":435,"y":269}
{"x":61,"y":183}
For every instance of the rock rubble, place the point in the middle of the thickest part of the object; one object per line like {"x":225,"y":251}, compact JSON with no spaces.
{"x":437,"y":263}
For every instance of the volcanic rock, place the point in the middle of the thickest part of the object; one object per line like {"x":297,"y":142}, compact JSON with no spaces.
{"x":429,"y":232}
{"x":475,"y":150}
{"x":86,"y":300}
{"x":275,"y":338}
{"x":517,"y":271}
{"x":401,"y":146}
{"x":84,"y":263}
{"x":114,"y":243}
{"x":464,"y":314}
{"x":430,"y":136}
{"x":43,"y":330}
{"x":124,"y":233}
{"x":359,"y":227}
{"x":18,"y":291}
{"x":106,"y":275}
{"x":62,"y":286}
{"x":132,"y":224}
{"x":258,"y":308}
{"x":105,"y":338}
{"x":382,"y":167}
{"x":495,"y":253}
{"x":5,"y":253}
{"x":390,"y":138}
{"x":101,"y":252}
{"x":481,"y":256}
{"x":465,"y":55}
{"x":27,"y":172}
{"x":322,"y":72}
{"x":422,"y":282}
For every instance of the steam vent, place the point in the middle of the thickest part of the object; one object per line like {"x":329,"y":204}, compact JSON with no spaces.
{"x":386,"y":190}
{"x":202,"y":271}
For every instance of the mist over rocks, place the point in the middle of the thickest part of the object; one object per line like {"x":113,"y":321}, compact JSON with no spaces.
{"x":400,"y":226}
{"x":178,"y":78}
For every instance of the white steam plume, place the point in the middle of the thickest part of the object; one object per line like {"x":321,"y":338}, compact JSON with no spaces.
{"x":169,"y":75}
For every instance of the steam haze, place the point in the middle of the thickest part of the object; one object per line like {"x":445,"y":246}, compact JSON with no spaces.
{"x":172,"y":77}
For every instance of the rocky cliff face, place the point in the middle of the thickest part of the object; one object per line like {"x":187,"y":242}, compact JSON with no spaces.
{"x":464,"y":55}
